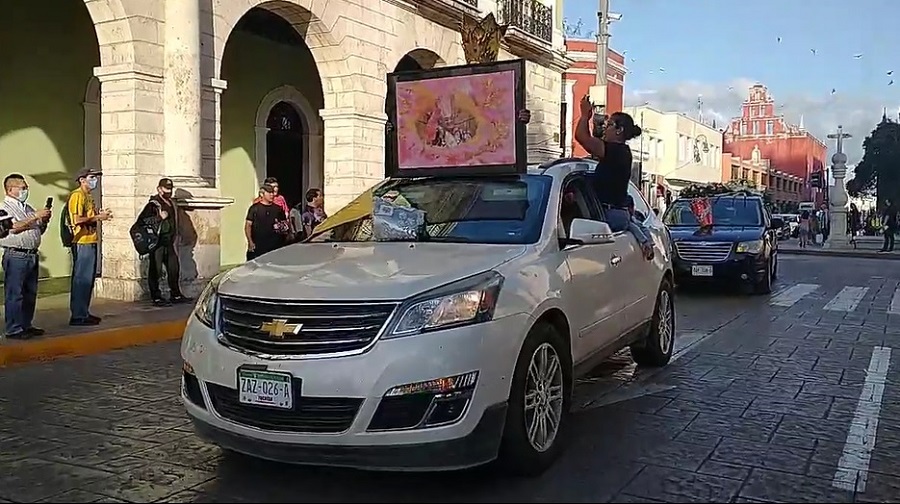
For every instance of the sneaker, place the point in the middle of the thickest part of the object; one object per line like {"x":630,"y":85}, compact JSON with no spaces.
{"x":90,"y":321}
{"x":35,"y":331}
{"x":161,"y":302}
{"x":21,"y":335}
{"x":181,"y":299}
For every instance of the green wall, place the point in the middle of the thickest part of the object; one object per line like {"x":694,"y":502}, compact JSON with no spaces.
{"x":47,"y":57}
{"x":253,"y":67}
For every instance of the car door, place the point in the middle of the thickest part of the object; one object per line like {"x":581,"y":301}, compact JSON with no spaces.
{"x":643,"y":275}
{"x":589,"y":265}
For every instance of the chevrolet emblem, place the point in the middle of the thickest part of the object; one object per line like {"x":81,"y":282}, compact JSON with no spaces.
{"x":277,"y":328}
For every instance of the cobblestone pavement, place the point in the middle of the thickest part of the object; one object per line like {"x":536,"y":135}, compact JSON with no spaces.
{"x":793,"y":397}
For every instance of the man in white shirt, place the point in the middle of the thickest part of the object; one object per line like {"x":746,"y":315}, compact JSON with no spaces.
{"x":20,"y":258}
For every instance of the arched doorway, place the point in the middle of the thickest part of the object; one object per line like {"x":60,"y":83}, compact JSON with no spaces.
{"x":269,"y":121}
{"x":415,"y":60}
{"x":92,"y":125}
{"x":284,"y":150}
{"x":43,"y":132}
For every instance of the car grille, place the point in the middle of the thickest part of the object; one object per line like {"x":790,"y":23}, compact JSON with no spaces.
{"x":316,"y":415}
{"x":703,"y":251}
{"x":324,"y":328}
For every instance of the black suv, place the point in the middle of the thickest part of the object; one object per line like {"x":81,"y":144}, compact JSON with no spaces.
{"x":740,"y":245}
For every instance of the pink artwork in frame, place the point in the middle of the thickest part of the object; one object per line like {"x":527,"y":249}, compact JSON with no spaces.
{"x":458,"y":121}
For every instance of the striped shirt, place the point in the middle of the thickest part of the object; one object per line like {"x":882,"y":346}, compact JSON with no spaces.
{"x":31,"y":237}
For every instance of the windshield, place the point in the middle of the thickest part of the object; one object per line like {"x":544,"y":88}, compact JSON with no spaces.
{"x":726,"y":212}
{"x":507,"y":210}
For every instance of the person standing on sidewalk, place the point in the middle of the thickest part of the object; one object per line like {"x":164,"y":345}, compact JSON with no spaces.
{"x":889,"y":225}
{"x":84,"y":218}
{"x":266,"y":227}
{"x":160,"y":210}
{"x":305,"y":219}
{"x":20,"y":258}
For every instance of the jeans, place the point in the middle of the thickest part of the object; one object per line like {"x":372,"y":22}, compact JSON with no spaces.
{"x":640,"y":231}
{"x":164,"y":256}
{"x":20,"y":287}
{"x":888,"y":239}
{"x":84,"y":273}
{"x":617,"y":218}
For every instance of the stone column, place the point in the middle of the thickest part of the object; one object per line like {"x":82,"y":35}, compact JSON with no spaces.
{"x":199,"y":204}
{"x":132,"y":160}
{"x":354,"y":153}
{"x":183,"y":93}
{"x":837,"y":201}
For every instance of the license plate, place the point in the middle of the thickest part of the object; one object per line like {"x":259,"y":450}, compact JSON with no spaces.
{"x":704,"y":271}
{"x":265,"y":388}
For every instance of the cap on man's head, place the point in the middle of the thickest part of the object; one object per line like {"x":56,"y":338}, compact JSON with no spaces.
{"x":166,"y":183}
{"x":267,"y":188}
{"x":87,"y":172}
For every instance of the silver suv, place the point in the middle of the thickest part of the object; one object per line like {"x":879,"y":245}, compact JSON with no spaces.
{"x":442,"y":351}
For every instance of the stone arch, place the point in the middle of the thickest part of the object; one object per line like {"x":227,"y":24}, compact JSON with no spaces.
{"x":113,"y":27}
{"x":313,"y":156}
{"x":426,"y":58}
{"x":306,"y":16}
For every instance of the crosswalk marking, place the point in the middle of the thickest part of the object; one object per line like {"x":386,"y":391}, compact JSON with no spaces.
{"x":790,"y":296}
{"x":895,"y":303}
{"x":847,"y":300}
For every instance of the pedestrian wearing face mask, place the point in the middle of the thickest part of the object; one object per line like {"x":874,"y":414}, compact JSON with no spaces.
{"x":20,"y":258}
{"x":83,"y":221}
{"x":160,"y":213}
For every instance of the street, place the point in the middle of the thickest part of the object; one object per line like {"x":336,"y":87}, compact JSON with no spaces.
{"x":792,"y":397}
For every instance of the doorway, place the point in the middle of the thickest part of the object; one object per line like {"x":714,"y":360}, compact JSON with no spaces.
{"x":284,"y":151}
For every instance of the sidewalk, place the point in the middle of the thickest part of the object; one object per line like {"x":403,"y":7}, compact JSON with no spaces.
{"x":124,"y":325}
{"x":866,"y":247}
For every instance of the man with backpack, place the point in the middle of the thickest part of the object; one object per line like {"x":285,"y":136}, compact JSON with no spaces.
{"x":159,"y":214}
{"x":78,"y":231}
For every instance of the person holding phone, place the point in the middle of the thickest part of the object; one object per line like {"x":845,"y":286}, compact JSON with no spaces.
{"x":85,"y":219}
{"x":20,"y":258}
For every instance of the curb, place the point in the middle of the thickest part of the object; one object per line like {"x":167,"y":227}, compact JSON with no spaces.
{"x":95,"y":342}
{"x":861,"y":254}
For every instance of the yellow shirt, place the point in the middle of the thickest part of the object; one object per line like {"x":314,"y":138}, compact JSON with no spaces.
{"x":82,"y":204}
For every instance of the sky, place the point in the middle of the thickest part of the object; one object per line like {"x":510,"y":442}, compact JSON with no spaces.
{"x":679,"y":49}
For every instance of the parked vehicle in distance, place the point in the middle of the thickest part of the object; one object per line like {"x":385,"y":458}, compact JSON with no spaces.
{"x":446,"y":351}
{"x":741,"y":245}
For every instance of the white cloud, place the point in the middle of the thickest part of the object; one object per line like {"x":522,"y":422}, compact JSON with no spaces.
{"x":821,"y":114}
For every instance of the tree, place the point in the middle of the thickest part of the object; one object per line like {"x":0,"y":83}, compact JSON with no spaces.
{"x":880,"y":165}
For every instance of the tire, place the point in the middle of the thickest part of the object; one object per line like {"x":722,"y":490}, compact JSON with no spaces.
{"x":656,"y":349}
{"x":520,"y":454}
{"x":765,"y":286}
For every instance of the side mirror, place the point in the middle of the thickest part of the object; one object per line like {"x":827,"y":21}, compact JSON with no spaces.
{"x":656,"y":211}
{"x":590,"y":232}
{"x":777,"y":223}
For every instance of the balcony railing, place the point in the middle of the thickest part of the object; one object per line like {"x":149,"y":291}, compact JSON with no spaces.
{"x":530,"y":16}
{"x":470,"y":3}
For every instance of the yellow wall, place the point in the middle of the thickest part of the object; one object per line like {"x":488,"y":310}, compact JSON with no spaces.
{"x":253,"y":67}
{"x":47,"y":56}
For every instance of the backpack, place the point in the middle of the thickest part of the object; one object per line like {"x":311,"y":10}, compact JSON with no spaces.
{"x":66,"y":230}
{"x":144,"y":234}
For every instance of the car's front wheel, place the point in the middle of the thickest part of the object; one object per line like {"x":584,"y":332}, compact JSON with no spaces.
{"x":539,"y":401}
{"x":764,"y":285}
{"x":656,"y":349}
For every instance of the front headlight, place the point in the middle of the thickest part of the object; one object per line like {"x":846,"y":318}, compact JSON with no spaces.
{"x":205,"y":309}
{"x":750,"y":247}
{"x":469,"y":301}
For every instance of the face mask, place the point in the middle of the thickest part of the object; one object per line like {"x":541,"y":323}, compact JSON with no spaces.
{"x":23,"y":195}
{"x":92,"y":183}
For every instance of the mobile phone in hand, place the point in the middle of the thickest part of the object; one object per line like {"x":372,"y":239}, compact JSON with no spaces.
{"x":49,"y":203}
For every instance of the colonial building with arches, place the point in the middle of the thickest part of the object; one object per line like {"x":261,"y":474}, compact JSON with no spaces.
{"x":218,"y":95}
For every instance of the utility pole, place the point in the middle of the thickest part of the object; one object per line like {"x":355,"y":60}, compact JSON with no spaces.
{"x":598,"y":91}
